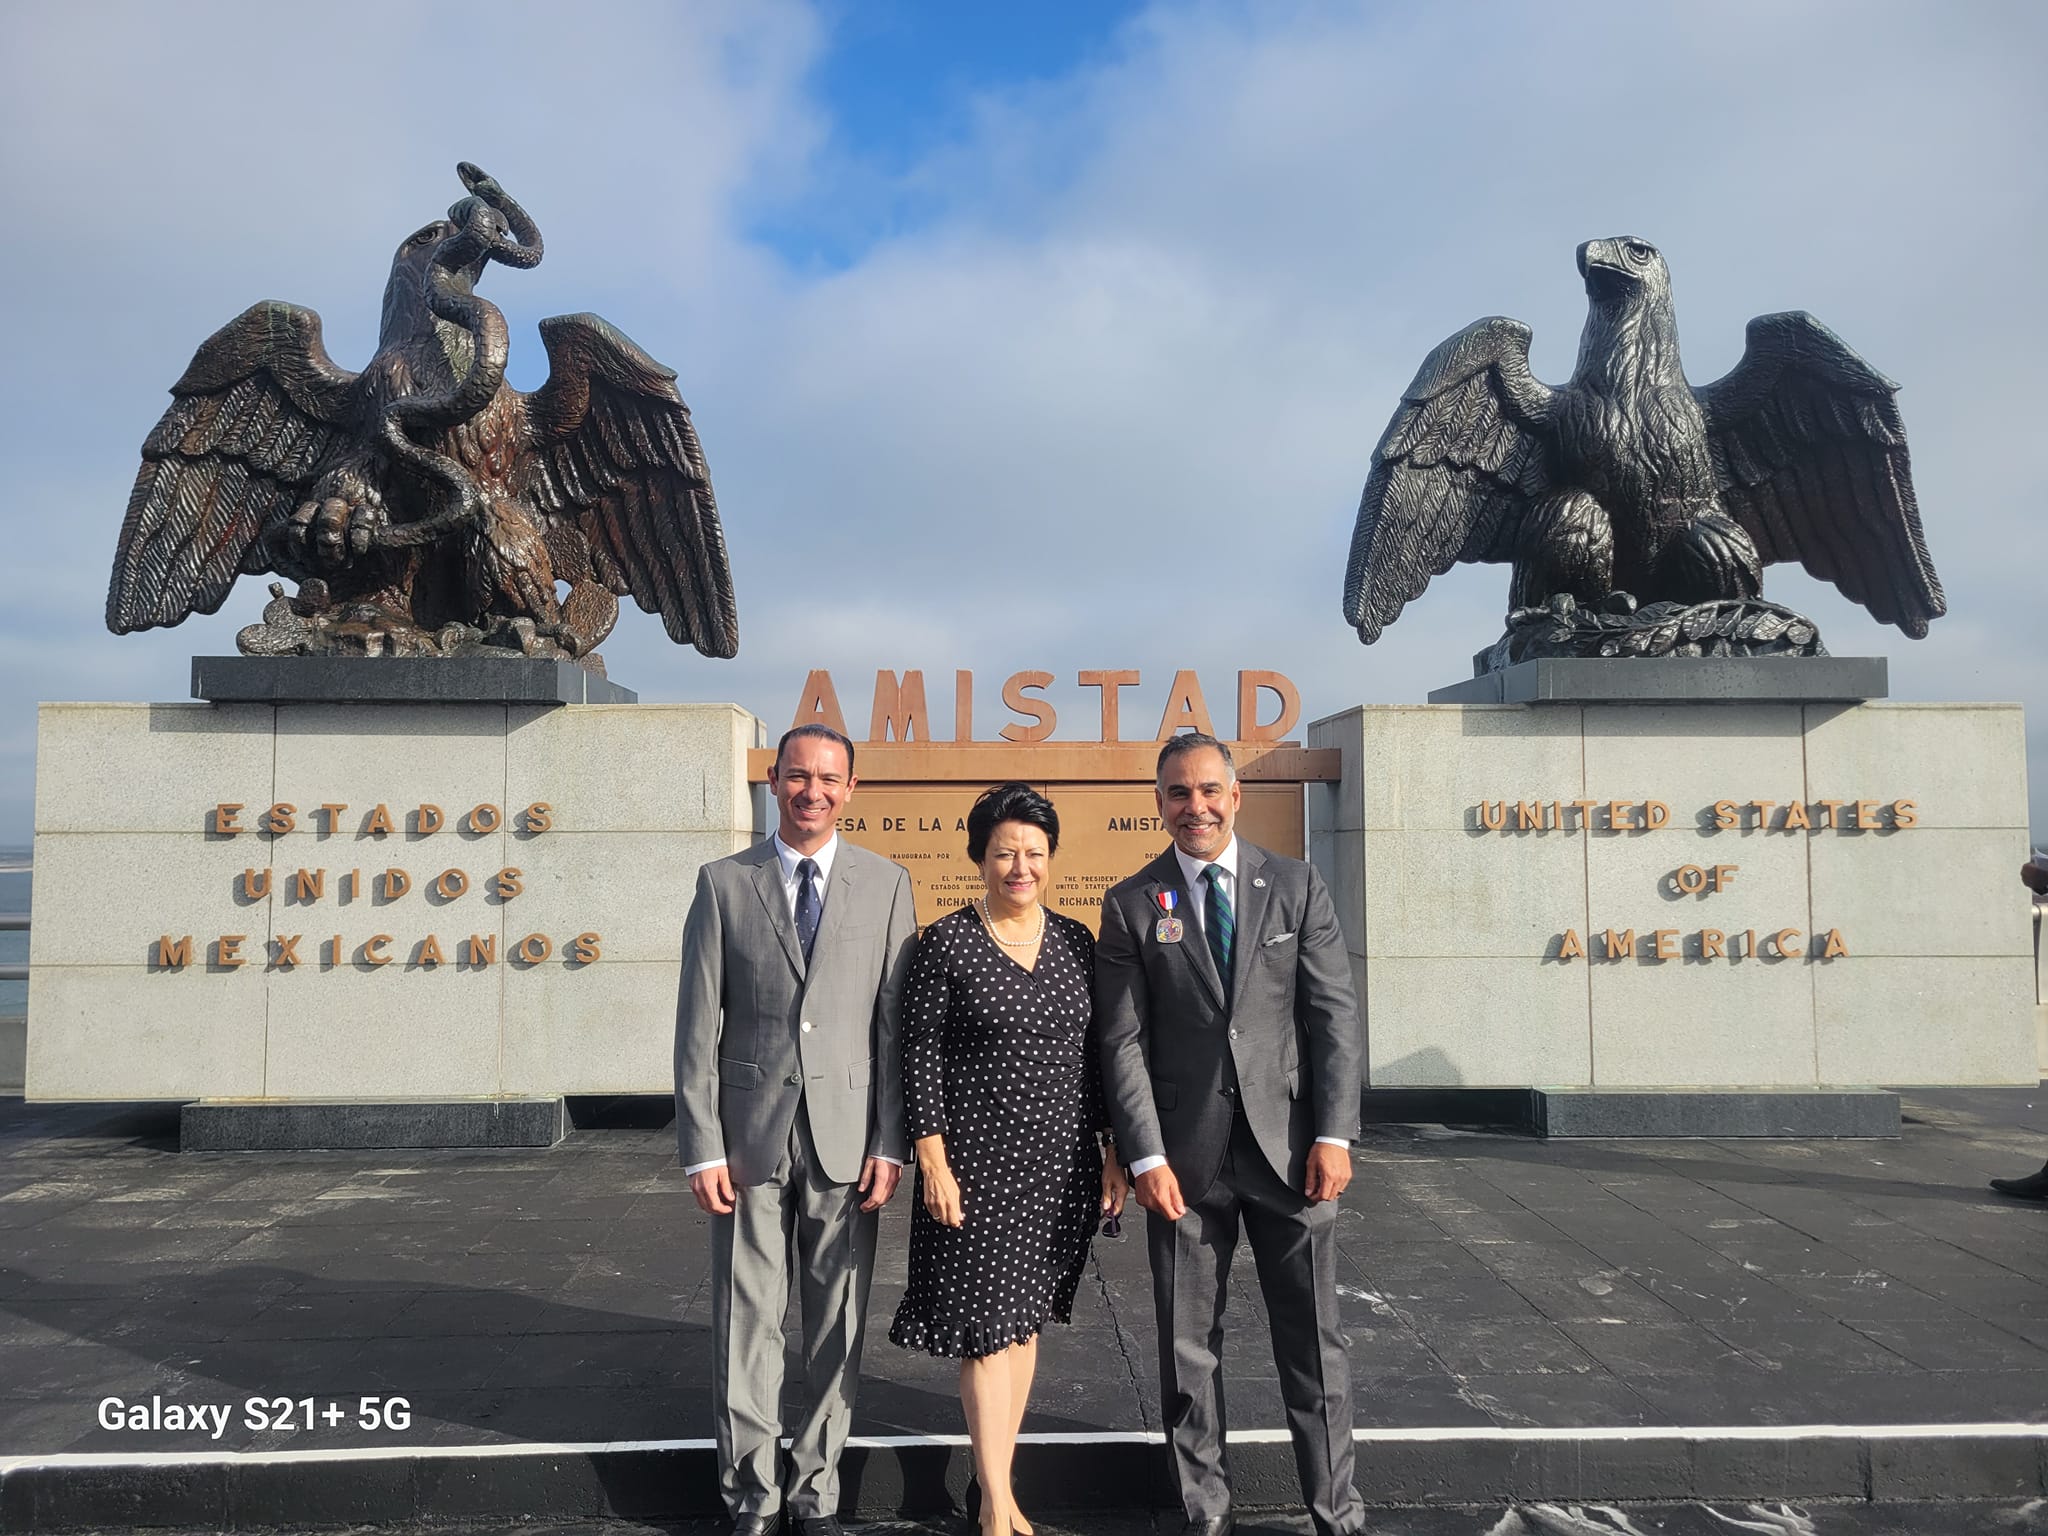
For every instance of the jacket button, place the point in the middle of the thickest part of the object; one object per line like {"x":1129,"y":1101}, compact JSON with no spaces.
{"x":795,"y":1079}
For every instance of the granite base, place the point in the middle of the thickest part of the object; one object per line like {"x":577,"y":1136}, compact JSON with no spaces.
{"x":323,"y":1127}
{"x":400,"y":680}
{"x":1670,"y":679}
{"x":1839,"y":1112}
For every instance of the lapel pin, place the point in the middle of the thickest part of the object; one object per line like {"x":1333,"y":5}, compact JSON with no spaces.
{"x":1259,"y":881}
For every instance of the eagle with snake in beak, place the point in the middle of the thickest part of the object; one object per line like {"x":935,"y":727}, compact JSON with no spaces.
{"x":1627,"y":480}
{"x":424,"y":505}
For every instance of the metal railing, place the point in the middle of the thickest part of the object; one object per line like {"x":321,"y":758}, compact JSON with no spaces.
{"x":13,"y":922}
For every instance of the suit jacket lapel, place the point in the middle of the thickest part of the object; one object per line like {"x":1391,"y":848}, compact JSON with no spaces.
{"x":1165,"y":876}
{"x":1251,"y":915}
{"x":768,"y":886}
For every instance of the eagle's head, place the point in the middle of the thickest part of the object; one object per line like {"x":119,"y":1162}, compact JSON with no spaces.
{"x":1623,"y":270}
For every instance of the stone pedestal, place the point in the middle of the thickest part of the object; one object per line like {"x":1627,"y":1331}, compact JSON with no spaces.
{"x":1465,"y":878}
{"x":526,"y":948}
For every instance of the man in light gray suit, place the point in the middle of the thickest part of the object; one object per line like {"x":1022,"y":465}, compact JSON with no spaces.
{"x":789,"y":1121}
{"x":1231,"y":1057}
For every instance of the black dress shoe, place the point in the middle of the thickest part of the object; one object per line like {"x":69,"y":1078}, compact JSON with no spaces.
{"x":816,"y":1525}
{"x":757,"y":1525}
{"x":2033,"y":1187}
{"x":1214,"y":1525}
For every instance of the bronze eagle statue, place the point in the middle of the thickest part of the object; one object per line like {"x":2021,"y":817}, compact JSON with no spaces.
{"x":425,"y":506}
{"x":1626,"y":485}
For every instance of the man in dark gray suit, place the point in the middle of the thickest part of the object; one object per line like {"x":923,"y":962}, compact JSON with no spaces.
{"x":1231,"y":1058}
{"x":789,"y":1121}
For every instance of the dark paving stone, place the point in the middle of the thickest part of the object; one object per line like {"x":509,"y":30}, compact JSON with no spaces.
{"x":452,"y":1313}
{"x":1487,"y":1347}
{"x":1810,"y":1345}
{"x":1870,"y":1294}
{"x":1649,"y":1349}
{"x":1959,"y":1345}
{"x":56,"y":1322}
{"x":1488,"y":1279}
{"x":327,"y":1315}
{"x":1552,"y":1401}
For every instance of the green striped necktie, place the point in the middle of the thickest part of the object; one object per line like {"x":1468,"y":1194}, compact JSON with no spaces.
{"x":1219,"y":923}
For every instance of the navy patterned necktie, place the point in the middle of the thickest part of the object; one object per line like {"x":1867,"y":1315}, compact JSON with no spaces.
{"x":807,"y":905}
{"x":1219,"y":923}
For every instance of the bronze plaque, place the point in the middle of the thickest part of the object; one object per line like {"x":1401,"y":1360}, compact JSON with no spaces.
{"x":1106,"y":832}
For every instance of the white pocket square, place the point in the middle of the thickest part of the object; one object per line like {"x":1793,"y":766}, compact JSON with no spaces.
{"x":1278,"y":938}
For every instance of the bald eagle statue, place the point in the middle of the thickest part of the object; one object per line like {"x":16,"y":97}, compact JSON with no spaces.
{"x":424,"y":506}
{"x":1626,"y":485}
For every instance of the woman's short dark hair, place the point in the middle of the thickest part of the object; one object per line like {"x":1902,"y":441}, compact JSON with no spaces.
{"x":1010,"y":802}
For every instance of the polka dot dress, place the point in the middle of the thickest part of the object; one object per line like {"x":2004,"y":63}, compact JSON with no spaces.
{"x":1002,"y":1062}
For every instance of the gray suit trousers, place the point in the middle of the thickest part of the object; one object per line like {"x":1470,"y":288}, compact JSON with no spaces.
{"x":1294,"y":1245}
{"x":796,"y":1221}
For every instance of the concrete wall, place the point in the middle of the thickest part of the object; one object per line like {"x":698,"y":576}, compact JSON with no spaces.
{"x":640,"y":796}
{"x":1455,"y":929}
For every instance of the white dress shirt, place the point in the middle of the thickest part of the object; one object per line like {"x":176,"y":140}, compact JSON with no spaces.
{"x":786,"y":861}
{"x":1193,"y":874}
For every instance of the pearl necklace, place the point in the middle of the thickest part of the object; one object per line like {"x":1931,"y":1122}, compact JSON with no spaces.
{"x":990,"y":924}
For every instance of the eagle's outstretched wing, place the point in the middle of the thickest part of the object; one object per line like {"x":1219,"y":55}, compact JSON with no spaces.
{"x":252,"y":422}
{"x":1460,"y":462}
{"x":613,"y":454}
{"x":1811,"y":457}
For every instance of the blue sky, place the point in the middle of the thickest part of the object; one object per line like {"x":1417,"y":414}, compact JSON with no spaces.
{"x":1014,"y":322}
{"x":900,"y":80}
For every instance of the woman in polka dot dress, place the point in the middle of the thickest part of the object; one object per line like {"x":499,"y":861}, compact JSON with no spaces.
{"x":1004,"y":1104}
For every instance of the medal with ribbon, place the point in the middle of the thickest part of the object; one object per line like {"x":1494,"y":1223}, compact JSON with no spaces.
{"x":1168,"y":929}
